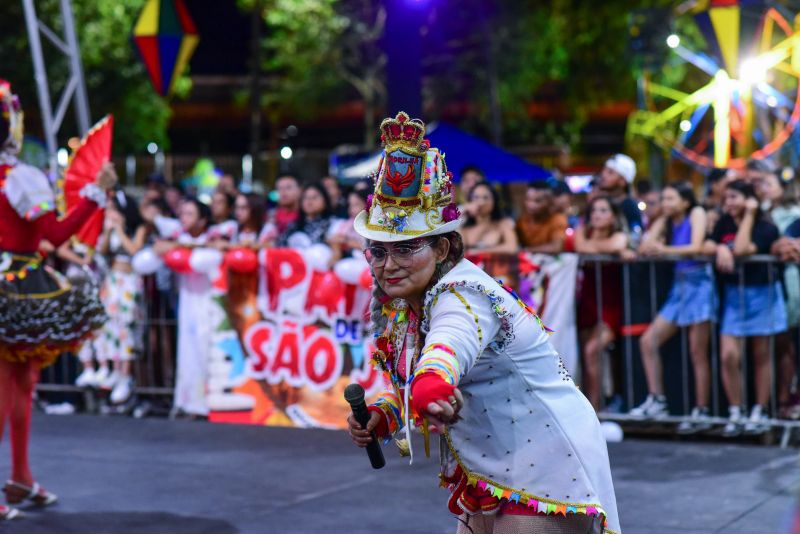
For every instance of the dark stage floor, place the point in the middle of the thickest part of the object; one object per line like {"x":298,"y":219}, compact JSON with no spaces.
{"x":118,"y":475}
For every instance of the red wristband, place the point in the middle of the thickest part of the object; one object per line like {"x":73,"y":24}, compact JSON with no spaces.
{"x":382,"y":430}
{"x":428,"y":388}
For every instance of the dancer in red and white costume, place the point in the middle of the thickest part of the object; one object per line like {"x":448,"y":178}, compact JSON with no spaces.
{"x":41,"y":314}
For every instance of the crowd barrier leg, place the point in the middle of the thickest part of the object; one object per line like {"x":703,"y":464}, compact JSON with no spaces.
{"x":685,"y":389}
{"x":773,"y":387}
{"x":626,"y":307}
{"x":604,"y":373}
{"x":714,"y":356}
{"x":787,"y":433}
{"x":651,"y":285}
{"x":743,"y":363}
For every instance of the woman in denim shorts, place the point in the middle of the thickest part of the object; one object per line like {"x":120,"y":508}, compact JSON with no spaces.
{"x":753,"y":306}
{"x":691,"y":303}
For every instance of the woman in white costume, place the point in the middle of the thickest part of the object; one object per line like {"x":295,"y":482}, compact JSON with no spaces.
{"x":521,"y":448}
{"x":195,"y":304}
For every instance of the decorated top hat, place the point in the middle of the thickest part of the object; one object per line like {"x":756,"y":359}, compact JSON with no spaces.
{"x":414,"y":193}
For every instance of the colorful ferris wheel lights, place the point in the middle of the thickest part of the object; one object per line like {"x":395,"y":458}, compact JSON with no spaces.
{"x":733,"y":107}
{"x":754,"y":70}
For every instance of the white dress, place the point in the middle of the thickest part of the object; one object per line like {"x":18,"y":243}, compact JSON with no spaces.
{"x":528,"y":435}
{"x":194,"y":338}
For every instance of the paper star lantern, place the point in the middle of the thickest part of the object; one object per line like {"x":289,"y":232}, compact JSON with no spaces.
{"x":166,"y":38}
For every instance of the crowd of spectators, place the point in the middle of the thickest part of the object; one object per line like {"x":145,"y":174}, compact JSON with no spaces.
{"x":756,"y":305}
{"x":742,"y":213}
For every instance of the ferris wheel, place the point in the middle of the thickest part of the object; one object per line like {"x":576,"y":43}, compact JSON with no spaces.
{"x":740,"y":97}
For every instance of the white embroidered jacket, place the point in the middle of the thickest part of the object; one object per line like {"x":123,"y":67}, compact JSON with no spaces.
{"x":528,"y":434}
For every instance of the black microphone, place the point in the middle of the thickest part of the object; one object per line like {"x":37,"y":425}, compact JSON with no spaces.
{"x":354,"y":395}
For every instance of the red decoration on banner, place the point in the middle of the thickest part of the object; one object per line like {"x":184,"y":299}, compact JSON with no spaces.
{"x":242,"y":260}
{"x":325,"y":290}
{"x":177,"y":259}
{"x":365,"y":280}
{"x":220,"y":283}
{"x":526,"y":266}
{"x":285,"y":269}
{"x":286,"y":365}
{"x":569,"y":240}
{"x":349,"y":298}
{"x":478,"y":258}
{"x":256,"y":343}
{"x":321,"y":350}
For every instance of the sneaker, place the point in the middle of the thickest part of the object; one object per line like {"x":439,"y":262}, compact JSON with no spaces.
{"x":86,"y":379}
{"x":100,"y":376}
{"x":698,"y":422}
{"x":757,"y":422}
{"x":110,"y":381}
{"x":793,"y":412}
{"x":7,"y":513}
{"x":654,"y":406}
{"x":734,"y":425}
{"x":122,"y":390}
{"x":615,"y":405}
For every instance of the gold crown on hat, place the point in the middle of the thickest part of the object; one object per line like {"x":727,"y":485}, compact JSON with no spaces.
{"x":413,"y":194}
{"x":405,"y":133}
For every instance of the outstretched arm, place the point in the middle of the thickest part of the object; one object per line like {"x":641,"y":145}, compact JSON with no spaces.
{"x":58,"y":231}
{"x":93,"y":196}
{"x":462,"y":325}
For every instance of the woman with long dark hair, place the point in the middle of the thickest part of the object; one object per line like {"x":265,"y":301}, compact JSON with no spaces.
{"x":120,"y":339}
{"x":691,"y":303}
{"x":314,"y":223}
{"x":601,"y":233}
{"x":223,"y":225}
{"x":485,"y":228}
{"x":344,"y":239}
{"x":194,"y":309}
{"x":249,"y":210}
{"x":752,"y":302}
{"x":779,"y":201}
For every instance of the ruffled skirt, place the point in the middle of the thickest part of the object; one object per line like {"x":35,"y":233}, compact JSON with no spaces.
{"x":42,"y":313}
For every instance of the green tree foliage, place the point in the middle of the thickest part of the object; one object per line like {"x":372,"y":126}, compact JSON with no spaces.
{"x":320,"y":53}
{"x":498,"y":57}
{"x":116,"y":80}
{"x":300,"y":56}
{"x":569,"y":53}
{"x":362,"y":61}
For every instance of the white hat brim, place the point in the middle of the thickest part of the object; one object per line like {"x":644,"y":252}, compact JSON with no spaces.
{"x":360,"y":226}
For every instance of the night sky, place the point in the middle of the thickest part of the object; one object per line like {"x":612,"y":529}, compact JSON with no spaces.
{"x":224,"y":31}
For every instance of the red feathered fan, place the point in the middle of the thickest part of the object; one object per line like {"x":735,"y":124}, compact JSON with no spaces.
{"x":94,"y":151}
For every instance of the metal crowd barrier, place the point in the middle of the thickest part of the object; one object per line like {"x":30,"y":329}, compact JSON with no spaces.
{"x":645,"y":283}
{"x":153,"y":370}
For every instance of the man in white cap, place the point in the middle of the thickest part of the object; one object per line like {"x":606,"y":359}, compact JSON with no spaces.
{"x":615,"y":181}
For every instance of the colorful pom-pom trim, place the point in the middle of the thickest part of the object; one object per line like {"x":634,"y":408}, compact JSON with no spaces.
{"x":21,"y":273}
{"x":389,"y":404}
{"x":40,"y":209}
{"x":525,"y":306}
{"x":464,"y":477}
